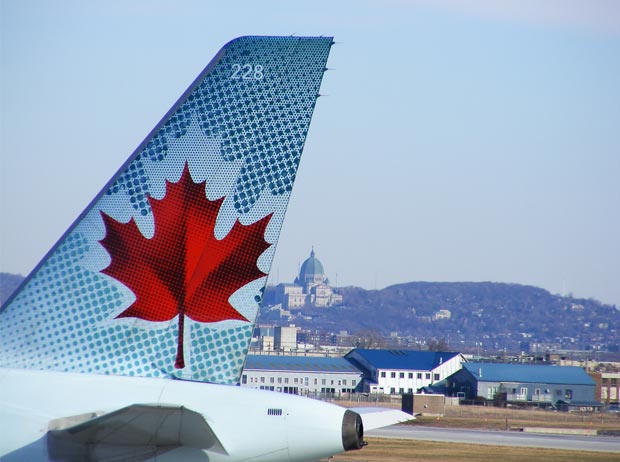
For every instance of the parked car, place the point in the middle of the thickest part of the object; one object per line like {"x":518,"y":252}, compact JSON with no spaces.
{"x":613,"y":408}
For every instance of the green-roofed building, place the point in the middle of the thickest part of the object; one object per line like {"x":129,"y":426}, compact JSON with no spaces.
{"x":311,"y":287}
{"x":311,"y":271}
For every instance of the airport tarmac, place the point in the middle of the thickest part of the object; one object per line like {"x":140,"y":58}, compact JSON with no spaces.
{"x":500,"y":438}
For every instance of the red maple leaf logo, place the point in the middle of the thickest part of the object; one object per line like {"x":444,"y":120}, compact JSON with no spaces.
{"x":183,"y":269}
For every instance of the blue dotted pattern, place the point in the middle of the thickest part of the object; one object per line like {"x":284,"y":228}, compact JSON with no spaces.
{"x":274,"y":123}
{"x":64,"y":318}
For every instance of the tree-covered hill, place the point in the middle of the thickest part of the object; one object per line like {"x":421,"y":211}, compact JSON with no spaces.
{"x":8,"y":283}
{"x":468,"y":315}
{"x":511,"y":316}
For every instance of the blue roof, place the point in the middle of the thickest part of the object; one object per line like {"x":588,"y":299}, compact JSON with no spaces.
{"x":528,"y":373}
{"x":299,"y":364}
{"x":403,"y":359}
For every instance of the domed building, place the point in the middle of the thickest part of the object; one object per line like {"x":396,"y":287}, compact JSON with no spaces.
{"x":311,"y":272}
{"x":311,"y":287}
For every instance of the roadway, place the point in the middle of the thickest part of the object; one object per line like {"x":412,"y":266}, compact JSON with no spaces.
{"x":500,"y":438}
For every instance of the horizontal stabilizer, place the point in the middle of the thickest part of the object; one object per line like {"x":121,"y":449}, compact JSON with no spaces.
{"x":134,"y":433}
{"x":377,"y":417}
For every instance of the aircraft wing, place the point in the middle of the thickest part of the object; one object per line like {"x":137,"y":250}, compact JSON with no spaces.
{"x":377,"y":417}
{"x":134,"y":433}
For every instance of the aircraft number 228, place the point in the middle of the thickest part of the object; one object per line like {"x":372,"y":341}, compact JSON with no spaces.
{"x":247,"y":72}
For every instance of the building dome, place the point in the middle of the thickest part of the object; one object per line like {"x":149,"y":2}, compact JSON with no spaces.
{"x":312,"y":271}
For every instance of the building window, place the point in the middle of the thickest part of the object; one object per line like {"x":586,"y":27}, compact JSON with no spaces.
{"x":392,"y":391}
{"x":353,"y":382}
{"x":272,"y":379}
{"x":393,"y":375}
{"x":383,"y":374}
{"x":244,"y":378}
{"x":262,"y":380}
{"x":306,"y":381}
{"x":286,"y":380}
{"x":420,"y":375}
{"x":296,"y":380}
{"x":316,"y":381}
{"x":410,"y":375}
{"x":401,"y":375}
{"x":279,"y":379}
{"x":436,"y":377}
{"x":428,"y":376}
{"x":323,"y":382}
{"x":568,"y":394}
{"x":344,"y":382}
{"x":401,"y":390}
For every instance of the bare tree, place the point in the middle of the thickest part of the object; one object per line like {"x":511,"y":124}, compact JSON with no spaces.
{"x":370,"y":339}
{"x":438,"y":345}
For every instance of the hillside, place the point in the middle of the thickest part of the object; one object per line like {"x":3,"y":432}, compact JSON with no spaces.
{"x":501,"y":316}
{"x":482,"y":316}
{"x":8,"y":283}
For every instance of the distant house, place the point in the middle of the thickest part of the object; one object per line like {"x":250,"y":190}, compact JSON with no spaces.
{"x":569,"y":388}
{"x":300,"y":375}
{"x":403,"y":371}
{"x":610,"y":387}
{"x":442,"y":314}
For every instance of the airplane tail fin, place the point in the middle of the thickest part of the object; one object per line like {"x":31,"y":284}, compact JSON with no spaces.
{"x":163,"y":273}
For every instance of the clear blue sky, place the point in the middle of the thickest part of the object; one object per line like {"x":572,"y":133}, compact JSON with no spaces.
{"x":466,"y":140}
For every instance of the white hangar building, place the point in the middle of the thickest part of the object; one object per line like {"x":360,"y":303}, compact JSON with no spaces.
{"x":403,"y":371}
{"x":301,"y":375}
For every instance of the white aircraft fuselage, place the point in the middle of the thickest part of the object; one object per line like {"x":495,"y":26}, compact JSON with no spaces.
{"x":249,"y":423}
{"x":162,"y":276}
